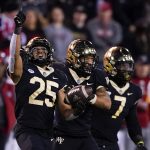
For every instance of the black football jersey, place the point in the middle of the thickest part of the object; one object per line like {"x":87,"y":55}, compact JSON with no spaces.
{"x":36,"y":94}
{"x":106,"y":124}
{"x":81,"y":125}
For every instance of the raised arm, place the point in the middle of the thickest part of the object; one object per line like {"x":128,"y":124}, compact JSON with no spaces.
{"x":15,"y":62}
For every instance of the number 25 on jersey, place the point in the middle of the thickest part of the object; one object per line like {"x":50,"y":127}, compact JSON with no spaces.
{"x":43,"y":86}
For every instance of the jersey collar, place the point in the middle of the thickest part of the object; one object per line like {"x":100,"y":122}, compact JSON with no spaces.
{"x":44,"y":72}
{"x":118,"y":89}
{"x":78,"y":79}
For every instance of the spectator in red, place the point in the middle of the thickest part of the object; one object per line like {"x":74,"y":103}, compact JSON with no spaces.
{"x":142,"y":78}
{"x":7,"y":24}
{"x":7,"y":118}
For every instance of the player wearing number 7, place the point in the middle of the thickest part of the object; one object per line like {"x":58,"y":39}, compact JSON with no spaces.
{"x":119,"y":66}
{"x":37,"y":86}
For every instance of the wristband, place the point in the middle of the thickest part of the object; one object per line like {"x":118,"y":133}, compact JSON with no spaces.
{"x":93,"y":101}
{"x":140,"y":143}
{"x":17,"y":30}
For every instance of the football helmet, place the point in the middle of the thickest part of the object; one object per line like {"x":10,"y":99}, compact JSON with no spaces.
{"x":76,"y":55}
{"x":40,"y":42}
{"x":119,"y":64}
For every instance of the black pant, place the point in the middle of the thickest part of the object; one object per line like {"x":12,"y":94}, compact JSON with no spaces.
{"x":109,"y":147}
{"x":105,"y":145}
{"x":32,"y":141}
{"x":75,"y":143}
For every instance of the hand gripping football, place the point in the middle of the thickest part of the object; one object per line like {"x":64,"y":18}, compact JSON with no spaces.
{"x":77,"y":97}
{"x":78,"y":93}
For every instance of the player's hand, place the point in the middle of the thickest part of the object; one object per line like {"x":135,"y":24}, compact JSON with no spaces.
{"x":77,"y":104}
{"x":141,"y":147}
{"x":67,"y":88}
{"x":79,"y":108}
{"x":19,"y":19}
{"x":76,"y":98}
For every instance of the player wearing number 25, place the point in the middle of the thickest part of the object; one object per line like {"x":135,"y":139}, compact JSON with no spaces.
{"x":37,"y":87}
{"x":119,"y":66}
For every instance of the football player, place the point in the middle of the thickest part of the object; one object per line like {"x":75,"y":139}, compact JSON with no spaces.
{"x":37,"y":86}
{"x":119,"y":66}
{"x":80,"y":70}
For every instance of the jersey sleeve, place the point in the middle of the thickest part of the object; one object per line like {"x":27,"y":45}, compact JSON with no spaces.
{"x":59,"y":66}
{"x":63,"y":79}
{"x":100,"y":79}
{"x":138,"y":93}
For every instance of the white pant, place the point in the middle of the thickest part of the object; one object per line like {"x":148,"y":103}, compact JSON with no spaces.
{"x":125,"y":143}
{"x":12,"y":143}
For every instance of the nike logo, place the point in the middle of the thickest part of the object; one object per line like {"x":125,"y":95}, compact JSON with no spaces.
{"x":129,"y":94}
{"x":31,"y":71}
{"x":54,"y":78}
{"x":89,"y":83}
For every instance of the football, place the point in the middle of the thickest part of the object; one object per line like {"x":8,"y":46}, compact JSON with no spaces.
{"x":80,"y":92}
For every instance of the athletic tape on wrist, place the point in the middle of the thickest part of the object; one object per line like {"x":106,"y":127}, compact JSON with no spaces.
{"x":12,"y":50}
{"x":93,"y":101}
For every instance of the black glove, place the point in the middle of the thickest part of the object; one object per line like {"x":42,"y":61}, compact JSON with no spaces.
{"x":79,"y":108}
{"x":19,"y":21}
{"x":76,"y":98}
{"x":67,"y":88}
{"x":141,"y":147}
{"x":78,"y":104}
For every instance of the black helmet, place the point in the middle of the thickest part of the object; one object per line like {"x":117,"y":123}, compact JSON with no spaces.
{"x":80,"y":49}
{"x":119,"y":64}
{"x":38,"y":41}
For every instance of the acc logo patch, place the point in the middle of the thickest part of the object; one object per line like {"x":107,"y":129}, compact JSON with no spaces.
{"x":31,"y":71}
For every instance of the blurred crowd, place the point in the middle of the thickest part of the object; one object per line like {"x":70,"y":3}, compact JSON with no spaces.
{"x":104,"y":22}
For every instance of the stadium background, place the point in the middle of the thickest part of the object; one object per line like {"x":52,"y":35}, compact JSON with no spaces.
{"x":106,"y":23}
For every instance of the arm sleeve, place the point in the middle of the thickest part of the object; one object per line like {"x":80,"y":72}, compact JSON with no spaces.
{"x":133,"y":126}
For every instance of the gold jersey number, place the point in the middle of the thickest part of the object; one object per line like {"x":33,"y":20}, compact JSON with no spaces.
{"x":43,"y":86}
{"x":121,"y":106}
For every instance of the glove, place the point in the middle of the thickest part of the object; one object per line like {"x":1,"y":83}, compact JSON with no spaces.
{"x":78,"y":105}
{"x":67,"y":88}
{"x":76,"y":98}
{"x":19,"y":21}
{"x":79,"y":108}
{"x":141,"y":147}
